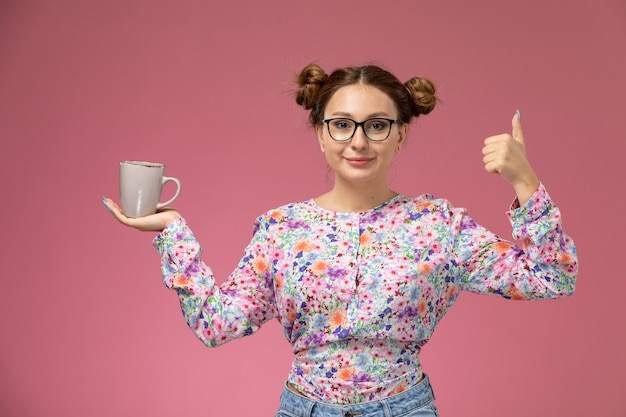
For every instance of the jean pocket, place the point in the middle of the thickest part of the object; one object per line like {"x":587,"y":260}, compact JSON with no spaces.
{"x":284,"y":413}
{"x":433,"y":409}
{"x":427,"y":410}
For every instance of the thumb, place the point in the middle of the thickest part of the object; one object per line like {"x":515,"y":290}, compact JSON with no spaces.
{"x":516,"y":123}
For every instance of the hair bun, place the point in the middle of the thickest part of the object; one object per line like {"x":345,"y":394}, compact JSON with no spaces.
{"x":422,"y":91}
{"x":310,"y":80}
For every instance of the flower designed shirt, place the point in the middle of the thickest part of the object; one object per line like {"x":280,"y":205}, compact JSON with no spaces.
{"x":358,"y":294}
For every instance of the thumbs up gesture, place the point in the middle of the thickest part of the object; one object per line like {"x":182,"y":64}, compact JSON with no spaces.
{"x":506,"y":155}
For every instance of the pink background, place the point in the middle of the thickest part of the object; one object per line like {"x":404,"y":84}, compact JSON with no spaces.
{"x":87,"y":328}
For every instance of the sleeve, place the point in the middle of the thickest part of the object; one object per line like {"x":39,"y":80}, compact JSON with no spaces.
{"x":218,"y":314}
{"x":545,"y":266}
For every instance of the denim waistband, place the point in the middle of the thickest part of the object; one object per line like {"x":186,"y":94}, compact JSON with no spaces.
{"x":418,"y":396}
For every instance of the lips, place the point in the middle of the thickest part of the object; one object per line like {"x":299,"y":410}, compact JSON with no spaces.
{"x":358,"y":161}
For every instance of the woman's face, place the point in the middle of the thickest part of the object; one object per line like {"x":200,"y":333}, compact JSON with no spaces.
{"x":360,"y":161}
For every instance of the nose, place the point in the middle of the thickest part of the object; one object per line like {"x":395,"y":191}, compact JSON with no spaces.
{"x":359,"y":139}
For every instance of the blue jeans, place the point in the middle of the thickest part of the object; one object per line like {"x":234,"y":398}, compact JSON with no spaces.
{"x":419,"y":401}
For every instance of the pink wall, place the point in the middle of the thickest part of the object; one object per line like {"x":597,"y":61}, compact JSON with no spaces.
{"x":86,"y":327}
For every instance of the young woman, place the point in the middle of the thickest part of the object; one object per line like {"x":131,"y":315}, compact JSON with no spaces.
{"x":360,"y":276}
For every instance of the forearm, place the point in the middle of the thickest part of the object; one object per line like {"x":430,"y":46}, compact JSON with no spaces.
{"x":538,"y":224}
{"x":544,"y":267}
{"x":183,"y":270}
{"x":215,"y":314}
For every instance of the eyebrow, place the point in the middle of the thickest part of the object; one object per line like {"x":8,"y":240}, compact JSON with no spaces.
{"x":370,"y":116}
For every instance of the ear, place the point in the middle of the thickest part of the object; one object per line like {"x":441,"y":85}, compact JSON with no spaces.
{"x":403,"y":131}
{"x":319,"y":131}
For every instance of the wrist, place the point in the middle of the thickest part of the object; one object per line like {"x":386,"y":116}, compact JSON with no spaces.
{"x":172,"y":217}
{"x":526,"y":188}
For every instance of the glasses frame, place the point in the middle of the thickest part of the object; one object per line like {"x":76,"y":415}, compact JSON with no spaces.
{"x":362,"y":124}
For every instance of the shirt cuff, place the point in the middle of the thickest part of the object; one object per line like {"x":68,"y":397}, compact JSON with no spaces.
{"x":537,"y":206}
{"x":173,"y":233}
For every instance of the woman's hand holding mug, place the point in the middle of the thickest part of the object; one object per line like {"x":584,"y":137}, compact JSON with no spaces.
{"x":141,"y":184}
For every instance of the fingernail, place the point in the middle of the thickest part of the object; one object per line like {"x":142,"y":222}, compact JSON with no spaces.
{"x":104,"y":201}
{"x":519,"y":116}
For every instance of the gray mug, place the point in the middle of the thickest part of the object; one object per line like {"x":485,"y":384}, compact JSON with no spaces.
{"x":140,"y":187}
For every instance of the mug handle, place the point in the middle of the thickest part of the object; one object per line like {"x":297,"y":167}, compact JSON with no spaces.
{"x":175,"y":180}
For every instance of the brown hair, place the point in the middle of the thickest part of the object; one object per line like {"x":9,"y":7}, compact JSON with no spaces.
{"x":412,"y":98}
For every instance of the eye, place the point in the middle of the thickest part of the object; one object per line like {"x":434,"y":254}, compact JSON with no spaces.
{"x":342,"y":124}
{"x":377,"y":125}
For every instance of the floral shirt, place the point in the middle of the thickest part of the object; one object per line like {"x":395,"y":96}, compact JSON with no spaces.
{"x":358,"y":294}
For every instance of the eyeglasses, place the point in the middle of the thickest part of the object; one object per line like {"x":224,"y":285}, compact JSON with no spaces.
{"x":376,"y":129}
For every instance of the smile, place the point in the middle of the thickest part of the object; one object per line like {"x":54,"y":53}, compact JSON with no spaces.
{"x":358,"y":161}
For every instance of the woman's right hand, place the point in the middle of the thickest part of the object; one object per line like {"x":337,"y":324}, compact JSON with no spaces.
{"x":152,"y":223}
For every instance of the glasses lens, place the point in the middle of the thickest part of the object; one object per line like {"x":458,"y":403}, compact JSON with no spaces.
{"x":377,"y":129}
{"x":341,"y":129}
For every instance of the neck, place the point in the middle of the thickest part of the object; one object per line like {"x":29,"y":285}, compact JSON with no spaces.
{"x":353,"y":199}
